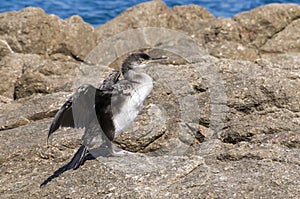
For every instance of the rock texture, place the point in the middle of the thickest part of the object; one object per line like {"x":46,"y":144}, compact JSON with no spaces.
{"x":27,"y":31}
{"x":222,"y":121}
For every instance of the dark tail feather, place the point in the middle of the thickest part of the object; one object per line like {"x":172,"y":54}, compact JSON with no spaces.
{"x":78,"y":158}
{"x":55,"y":175}
{"x":75,"y":163}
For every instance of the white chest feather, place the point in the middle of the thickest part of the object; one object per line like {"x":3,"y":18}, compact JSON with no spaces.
{"x":131,"y":106}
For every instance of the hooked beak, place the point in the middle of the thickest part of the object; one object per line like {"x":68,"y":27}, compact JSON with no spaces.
{"x":159,"y":58}
{"x":155,"y":59}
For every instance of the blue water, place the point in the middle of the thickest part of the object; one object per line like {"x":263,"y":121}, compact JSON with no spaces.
{"x":97,"y":12}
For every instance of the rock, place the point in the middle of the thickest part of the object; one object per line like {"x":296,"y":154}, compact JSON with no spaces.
{"x":30,"y":73}
{"x":249,"y":34}
{"x":222,"y":119}
{"x":12,"y":66}
{"x":49,"y":77}
{"x":285,"y":40}
{"x":39,"y":33}
{"x":264,"y":22}
{"x":193,"y":13}
{"x":282,"y":61}
{"x":27,"y":110}
{"x":9,"y":43}
{"x":222,"y":39}
{"x":80,"y":38}
{"x":5,"y":49}
{"x":259,"y":104}
{"x":149,"y":14}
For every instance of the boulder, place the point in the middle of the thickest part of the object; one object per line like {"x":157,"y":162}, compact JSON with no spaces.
{"x":286,"y":40}
{"x":5,"y":49}
{"x":250,"y":34}
{"x":222,"y":120}
{"x":148,"y":14}
{"x":31,"y":73}
{"x":193,"y":13}
{"x":262,"y":23}
{"x":261,"y":103}
{"x":12,"y":66}
{"x":222,"y":38}
{"x":35,"y":32}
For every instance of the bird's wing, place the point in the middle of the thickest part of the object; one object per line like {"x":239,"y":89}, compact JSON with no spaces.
{"x":64,"y":117}
{"x":77,"y":111}
{"x":124,"y":87}
{"x":108,"y":83}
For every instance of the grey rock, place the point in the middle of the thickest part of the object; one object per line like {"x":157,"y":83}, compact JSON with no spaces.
{"x":264,"y":22}
{"x":5,"y":48}
{"x":28,"y":74}
{"x":285,"y":40}
{"x":250,"y":34}
{"x":222,"y":38}
{"x":30,"y":109}
{"x":258,"y":104}
{"x":38,"y":33}
{"x":222,"y":120}
{"x":149,"y":14}
{"x":12,"y":66}
{"x":193,"y":13}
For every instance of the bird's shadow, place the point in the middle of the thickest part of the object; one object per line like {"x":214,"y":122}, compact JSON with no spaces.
{"x":92,"y":155}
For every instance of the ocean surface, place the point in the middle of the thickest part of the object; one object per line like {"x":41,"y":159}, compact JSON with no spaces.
{"x":97,"y":12}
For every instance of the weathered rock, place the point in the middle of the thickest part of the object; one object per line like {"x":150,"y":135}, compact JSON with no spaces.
{"x":39,"y":33}
{"x":26,"y":110}
{"x":238,"y":38}
{"x":263,"y":102}
{"x":28,"y":74}
{"x":211,"y":127}
{"x":49,"y":77}
{"x":193,"y":13}
{"x":149,"y":14}
{"x":5,"y":49}
{"x":249,"y":34}
{"x":12,"y":66}
{"x":264,"y":22}
{"x":285,"y":40}
{"x":223,"y":39}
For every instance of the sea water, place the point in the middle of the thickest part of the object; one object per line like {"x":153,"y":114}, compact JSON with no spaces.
{"x":97,"y":12}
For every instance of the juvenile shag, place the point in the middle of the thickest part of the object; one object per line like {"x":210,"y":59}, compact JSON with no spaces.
{"x":108,"y":111}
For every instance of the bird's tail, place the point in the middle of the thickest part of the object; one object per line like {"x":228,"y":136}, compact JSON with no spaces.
{"x":78,"y":158}
{"x":76,"y":161}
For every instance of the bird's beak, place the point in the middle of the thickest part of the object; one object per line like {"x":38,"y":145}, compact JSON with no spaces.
{"x":159,"y":58}
{"x":155,"y":59}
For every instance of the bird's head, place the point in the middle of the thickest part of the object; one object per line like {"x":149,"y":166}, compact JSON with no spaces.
{"x":138,"y":60}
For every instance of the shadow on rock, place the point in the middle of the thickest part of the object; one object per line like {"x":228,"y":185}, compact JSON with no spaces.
{"x":93,"y":154}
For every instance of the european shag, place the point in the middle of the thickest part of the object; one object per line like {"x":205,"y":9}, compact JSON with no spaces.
{"x":109,"y":110}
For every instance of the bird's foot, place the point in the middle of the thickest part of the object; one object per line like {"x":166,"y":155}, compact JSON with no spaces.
{"x":115,"y":151}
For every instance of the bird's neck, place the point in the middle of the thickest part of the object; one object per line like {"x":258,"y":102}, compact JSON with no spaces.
{"x":138,"y":77}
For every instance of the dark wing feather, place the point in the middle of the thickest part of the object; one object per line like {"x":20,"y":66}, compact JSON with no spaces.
{"x":103,"y":104}
{"x":77,"y":111}
{"x":108,"y":83}
{"x":63,"y":117}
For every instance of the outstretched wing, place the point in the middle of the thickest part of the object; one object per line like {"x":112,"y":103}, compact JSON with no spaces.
{"x":108,"y":83}
{"x":79,"y":110}
{"x":64,"y":117}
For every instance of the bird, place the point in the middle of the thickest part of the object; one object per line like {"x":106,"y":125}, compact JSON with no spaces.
{"x":107,"y":111}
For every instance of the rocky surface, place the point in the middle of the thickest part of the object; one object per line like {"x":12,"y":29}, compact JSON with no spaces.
{"x":222,"y":121}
